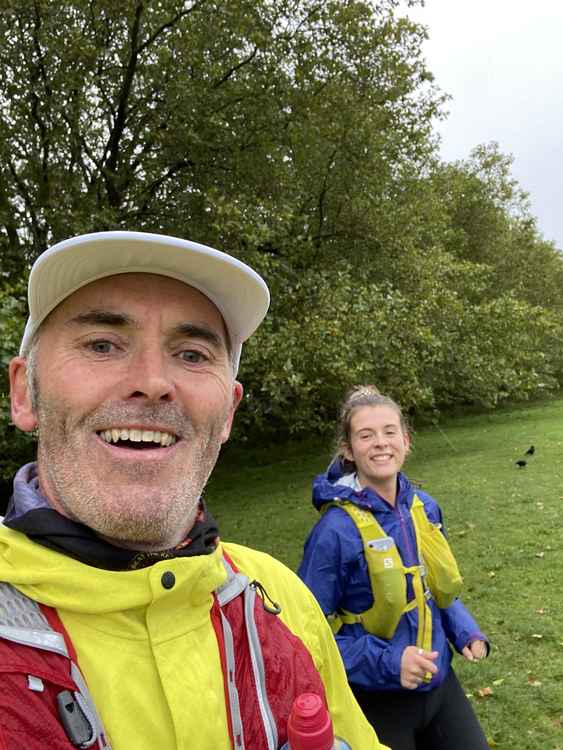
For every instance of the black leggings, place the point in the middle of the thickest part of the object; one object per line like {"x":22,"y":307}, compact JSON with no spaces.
{"x":440,"y":719}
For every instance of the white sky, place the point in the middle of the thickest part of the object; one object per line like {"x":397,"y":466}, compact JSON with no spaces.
{"x":502,"y":62}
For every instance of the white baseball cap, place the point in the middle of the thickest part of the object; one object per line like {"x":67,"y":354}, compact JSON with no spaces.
{"x":236,"y":290}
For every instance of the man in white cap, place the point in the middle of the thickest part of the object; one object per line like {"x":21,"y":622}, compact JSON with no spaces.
{"x":124,"y":621}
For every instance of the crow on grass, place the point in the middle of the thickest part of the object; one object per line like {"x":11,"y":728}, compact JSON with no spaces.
{"x":531,"y":450}
{"x":521,"y":463}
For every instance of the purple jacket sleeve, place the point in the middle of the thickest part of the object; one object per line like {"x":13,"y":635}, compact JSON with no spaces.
{"x":460,"y":626}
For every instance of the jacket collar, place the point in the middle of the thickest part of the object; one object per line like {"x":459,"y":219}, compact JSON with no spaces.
{"x":30,"y":513}
{"x":335,"y":484}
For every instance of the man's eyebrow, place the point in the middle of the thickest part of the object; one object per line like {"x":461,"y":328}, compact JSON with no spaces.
{"x":192,"y":330}
{"x":101,"y":317}
{"x":122,"y":320}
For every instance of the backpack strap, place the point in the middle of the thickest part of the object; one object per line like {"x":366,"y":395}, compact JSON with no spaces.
{"x":25,"y":622}
{"x":265,"y":664}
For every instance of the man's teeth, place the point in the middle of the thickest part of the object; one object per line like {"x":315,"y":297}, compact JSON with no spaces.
{"x":138,"y":436}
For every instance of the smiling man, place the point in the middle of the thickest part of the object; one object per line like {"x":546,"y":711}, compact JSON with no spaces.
{"x":124,"y":621}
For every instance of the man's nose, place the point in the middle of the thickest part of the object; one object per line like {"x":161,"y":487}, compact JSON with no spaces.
{"x":150,"y":375}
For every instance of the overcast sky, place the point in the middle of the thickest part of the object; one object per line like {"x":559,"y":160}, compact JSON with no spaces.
{"x":502,"y":62}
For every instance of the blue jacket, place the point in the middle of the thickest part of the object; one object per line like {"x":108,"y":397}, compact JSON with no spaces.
{"x":335,"y":569}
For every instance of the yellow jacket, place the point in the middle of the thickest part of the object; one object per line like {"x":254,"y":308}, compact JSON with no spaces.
{"x":149,"y":653}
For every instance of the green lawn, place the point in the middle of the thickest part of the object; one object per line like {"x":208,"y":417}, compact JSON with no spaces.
{"x":504,"y":524}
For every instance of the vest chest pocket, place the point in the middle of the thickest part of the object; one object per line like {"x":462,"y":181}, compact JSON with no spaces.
{"x":387,"y":578}
{"x":443,"y":577}
{"x":29,"y":714}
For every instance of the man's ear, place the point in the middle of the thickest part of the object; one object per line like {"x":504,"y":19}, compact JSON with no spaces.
{"x":237,"y":396}
{"x":23,"y":413}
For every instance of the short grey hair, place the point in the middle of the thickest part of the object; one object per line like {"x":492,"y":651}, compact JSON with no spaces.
{"x":30,"y":356}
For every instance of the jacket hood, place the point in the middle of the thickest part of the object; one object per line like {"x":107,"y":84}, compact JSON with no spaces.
{"x":335,"y":483}
{"x":59,"y":581}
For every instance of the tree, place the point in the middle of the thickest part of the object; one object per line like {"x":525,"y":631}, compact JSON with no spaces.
{"x":134,"y":115}
{"x":296,"y":135}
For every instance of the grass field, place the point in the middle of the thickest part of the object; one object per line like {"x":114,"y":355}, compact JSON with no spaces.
{"x":504,"y":524}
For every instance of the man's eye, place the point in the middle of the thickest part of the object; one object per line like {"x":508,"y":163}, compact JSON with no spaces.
{"x":101,"y":347}
{"x":192,"y":356}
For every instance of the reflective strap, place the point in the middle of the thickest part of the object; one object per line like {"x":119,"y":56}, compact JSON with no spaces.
{"x":237,"y":584}
{"x":23,"y":622}
{"x":234,"y":702}
{"x":84,"y":700}
{"x":255,"y":648}
{"x":41,"y":639}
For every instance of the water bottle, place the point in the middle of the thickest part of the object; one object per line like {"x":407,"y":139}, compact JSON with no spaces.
{"x":309,"y":726}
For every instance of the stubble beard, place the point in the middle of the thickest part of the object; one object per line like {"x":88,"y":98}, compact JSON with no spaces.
{"x":132,"y":505}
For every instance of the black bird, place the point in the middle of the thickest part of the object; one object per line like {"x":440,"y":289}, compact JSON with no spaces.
{"x":531,"y":450}
{"x":521,"y":463}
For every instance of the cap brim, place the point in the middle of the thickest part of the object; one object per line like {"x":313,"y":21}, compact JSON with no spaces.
{"x":238,"y":292}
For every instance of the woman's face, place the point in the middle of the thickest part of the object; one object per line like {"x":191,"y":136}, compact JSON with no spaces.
{"x":378,"y":444}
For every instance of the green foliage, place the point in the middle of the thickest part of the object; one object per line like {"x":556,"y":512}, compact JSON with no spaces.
{"x":438,"y":345}
{"x":297,"y":136}
{"x":134,"y":115}
{"x":504,"y":525}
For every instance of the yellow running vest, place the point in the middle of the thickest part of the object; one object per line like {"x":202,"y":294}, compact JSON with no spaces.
{"x":437,"y":576}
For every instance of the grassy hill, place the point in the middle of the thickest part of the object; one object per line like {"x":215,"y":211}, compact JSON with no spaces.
{"x":504,"y":524}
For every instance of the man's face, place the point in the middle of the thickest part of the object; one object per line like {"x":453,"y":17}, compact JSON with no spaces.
{"x":135,"y":397}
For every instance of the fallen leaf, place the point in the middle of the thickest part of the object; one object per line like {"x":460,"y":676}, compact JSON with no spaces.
{"x":540,"y":554}
{"x":533,"y":681}
{"x":498,"y":682}
{"x":484,"y":692}
{"x":540,"y":611}
{"x":492,"y":574}
{"x":537,"y":635}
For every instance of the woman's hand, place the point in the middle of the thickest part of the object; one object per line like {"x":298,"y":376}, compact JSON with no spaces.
{"x":415,"y":664}
{"x":475,"y":651}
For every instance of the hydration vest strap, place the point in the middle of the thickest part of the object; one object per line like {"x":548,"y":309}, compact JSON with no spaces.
{"x":343,"y":617}
{"x":22,"y":621}
{"x":424,"y":631}
{"x":370,"y":530}
{"x":237,"y":584}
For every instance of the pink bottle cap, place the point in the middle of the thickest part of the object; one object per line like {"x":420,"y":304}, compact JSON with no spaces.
{"x":309,"y":726}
